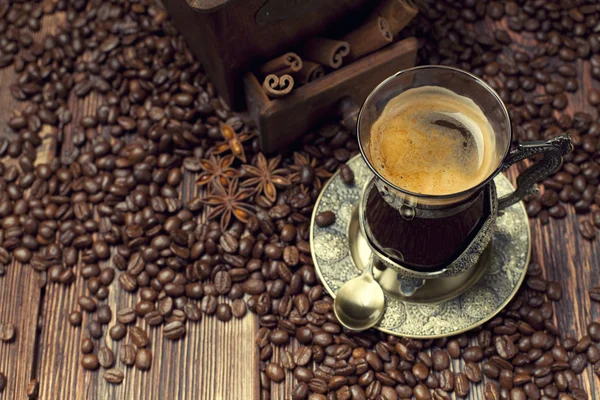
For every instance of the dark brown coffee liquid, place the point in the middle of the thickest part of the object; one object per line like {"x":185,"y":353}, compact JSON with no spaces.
{"x":425,"y":244}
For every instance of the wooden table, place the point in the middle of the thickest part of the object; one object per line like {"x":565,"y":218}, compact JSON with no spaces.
{"x":215,"y":360}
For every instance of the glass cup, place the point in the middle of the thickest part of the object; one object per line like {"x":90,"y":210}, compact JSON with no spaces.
{"x":425,"y":236}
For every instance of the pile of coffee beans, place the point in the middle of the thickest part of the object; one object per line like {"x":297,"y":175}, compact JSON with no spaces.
{"x":532,"y":53}
{"x":107,"y":208}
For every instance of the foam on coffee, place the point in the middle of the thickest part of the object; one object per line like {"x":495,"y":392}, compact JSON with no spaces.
{"x":431,"y":140}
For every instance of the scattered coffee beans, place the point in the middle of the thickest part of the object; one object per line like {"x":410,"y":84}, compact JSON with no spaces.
{"x":117,"y":198}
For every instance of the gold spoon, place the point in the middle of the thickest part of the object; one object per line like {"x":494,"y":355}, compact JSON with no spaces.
{"x":359,"y":304}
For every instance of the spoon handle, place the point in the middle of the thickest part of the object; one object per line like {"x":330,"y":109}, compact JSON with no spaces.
{"x":369,"y":267}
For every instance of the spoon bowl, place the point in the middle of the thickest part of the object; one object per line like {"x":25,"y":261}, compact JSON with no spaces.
{"x":360,"y":303}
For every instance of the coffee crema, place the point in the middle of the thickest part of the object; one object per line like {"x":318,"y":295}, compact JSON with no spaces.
{"x":430,"y":140}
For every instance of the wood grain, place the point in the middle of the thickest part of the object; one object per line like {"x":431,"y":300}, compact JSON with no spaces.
{"x":219,"y":360}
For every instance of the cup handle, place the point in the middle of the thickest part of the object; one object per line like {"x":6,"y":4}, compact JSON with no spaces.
{"x":553,"y":151}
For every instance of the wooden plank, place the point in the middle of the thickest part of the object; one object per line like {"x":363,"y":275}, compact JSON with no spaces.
{"x":20,"y":293}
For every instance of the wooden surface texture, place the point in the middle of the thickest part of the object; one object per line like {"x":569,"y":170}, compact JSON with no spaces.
{"x":216,"y":360}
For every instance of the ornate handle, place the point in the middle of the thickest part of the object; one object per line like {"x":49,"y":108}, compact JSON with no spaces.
{"x":553,"y":151}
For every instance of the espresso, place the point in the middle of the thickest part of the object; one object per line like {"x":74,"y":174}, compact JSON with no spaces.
{"x":430,"y":140}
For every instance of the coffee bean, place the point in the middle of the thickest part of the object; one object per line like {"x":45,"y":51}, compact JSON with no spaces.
{"x":578,"y":363}
{"x":238,"y":308}
{"x":254,"y":286}
{"x":32,"y":389}
{"x":114,"y":376}
{"x":87,"y":303}
{"x":346,"y":174}
{"x":126,"y":315}
{"x":139,"y":337}
{"x":421,"y":392}
{"x":587,"y":229}
{"x":461,"y":385}
{"x":22,"y":254}
{"x":325,"y":218}
{"x":104,"y":314}
{"x":302,"y":356}
{"x":127,"y":354}
{"x":473,"y":353}
{"x":8,"y":332}
{"x":90,"y":362}
{"x":143,"y":359}
{"x":3,"y":382}
{"x":440,"y":360}
{"x":118,"y":332}
{"x":87,"y":345}
{"x":453,"y":349}
{"x":420,"y":371}
{"x":224,"y":312}
{"x":275,"y":372}
{"x":106,"y":357}
{"x":473,"y":371}
{"x":95,"y":329}
{"x":517,"y":394}
{"x":594,"y":293}
{"x":173,"y":330}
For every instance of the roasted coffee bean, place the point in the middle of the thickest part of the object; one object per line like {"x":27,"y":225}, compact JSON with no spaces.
{"x":325,"y":218}
{"x":440,"y":360}
{"x":472,"y":371}
{"x":138,"y":336}
{"x":453,"y":349}
{"x":106,"y":357}
{"x":346,"y":174}
{"x":87,"y":345}
{"x":126,"y":315}
{"x":8,"y":331}
{"x":2,"y":382}
{"x":87,"y":303}
{"x":173,"y":330}
{"x":143,"y":359}
{"x":421,"y":392}
{"x":491,"y":391}
{"x":118,"y":332}
{"x":593,"y":330}
{"x":517,"y":393}
{"x":578,"y":363}
{"x":114,"y":376}
{"x":594,"y":293}
{"x":223,"y":312}
{"x":473,"y":353}
{"x":461,"y":385}
{"x":275,"y":372}
{"x":90,"y":362}
{"x":587,"y":229}
{"x":127,"y":354}
{"x":95,"y":329}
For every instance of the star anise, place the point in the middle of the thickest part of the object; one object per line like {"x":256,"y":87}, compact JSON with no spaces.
{"x":265,"y":176}
{"x":233,"y":141}
{"x":217,"y":170}
{"x":306,"y":172}
{"x":229,"y":201}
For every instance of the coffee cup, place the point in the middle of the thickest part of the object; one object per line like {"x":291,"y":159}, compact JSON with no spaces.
{"x":435,"y":137}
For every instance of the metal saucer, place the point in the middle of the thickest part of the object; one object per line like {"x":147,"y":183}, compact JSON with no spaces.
{"x":442,"y":307}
